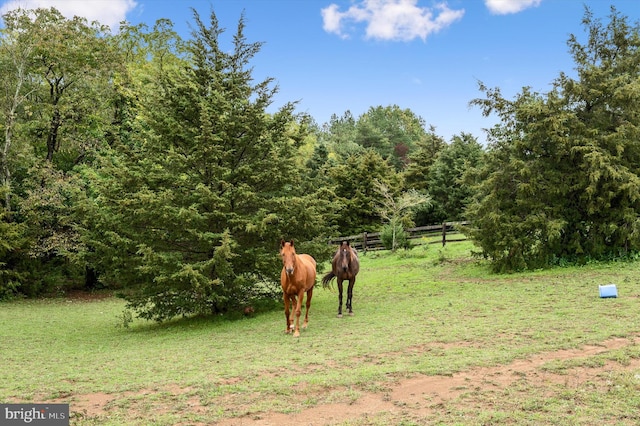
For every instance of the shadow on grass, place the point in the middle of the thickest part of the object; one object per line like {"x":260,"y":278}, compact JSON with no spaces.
{"x":128,"y":321}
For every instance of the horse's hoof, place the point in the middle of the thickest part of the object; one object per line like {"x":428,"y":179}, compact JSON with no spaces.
{"x":339,"y":315}
{"x":296,"y":334}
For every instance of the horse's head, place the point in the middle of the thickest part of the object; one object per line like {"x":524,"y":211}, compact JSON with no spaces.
{"x":344,"y":256}
{"x":288,"y":254}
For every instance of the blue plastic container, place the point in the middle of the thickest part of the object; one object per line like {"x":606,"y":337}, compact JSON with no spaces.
{"x":608,"y":290}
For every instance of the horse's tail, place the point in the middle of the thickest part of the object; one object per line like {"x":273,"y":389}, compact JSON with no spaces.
{"x":327,"y":278}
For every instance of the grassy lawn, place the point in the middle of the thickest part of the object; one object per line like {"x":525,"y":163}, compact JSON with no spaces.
{"x":429,"y":311}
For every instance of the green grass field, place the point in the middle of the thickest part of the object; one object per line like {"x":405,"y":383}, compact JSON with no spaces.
{"x":428,"y":311}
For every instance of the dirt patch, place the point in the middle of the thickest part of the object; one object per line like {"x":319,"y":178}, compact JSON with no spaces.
{"x":98,"y":404}
{"x":423,"y":394}
{"x":420,"y":395}
{"x":92,"y":404}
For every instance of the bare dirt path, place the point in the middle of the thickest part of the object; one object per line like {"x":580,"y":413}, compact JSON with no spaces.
{"x":420,"y":396}
{"x":423,"y":394}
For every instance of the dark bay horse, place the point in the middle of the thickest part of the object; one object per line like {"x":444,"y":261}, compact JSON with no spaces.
{"x":344,"y":266}
{"x":298,"y":277}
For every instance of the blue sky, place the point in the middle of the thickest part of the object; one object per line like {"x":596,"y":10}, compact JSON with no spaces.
{"x":424,"y":55}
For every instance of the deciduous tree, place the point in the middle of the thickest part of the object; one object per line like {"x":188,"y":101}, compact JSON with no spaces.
{"x":393,"y":132}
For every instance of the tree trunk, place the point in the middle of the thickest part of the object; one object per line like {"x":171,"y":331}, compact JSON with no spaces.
{"x":52,"y":137}
{"x":90,"y":278}
{"x":5,"y":172}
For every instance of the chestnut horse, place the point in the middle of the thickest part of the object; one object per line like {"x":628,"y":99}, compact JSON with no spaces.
{"x":298,"y":277}
{"x":344,"y":266}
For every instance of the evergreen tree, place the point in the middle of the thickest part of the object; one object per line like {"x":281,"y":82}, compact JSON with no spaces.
{"x":340,"y":135}
{"x":356,"y":193}
{"x":421,"y":158}
{"x":416,"y":175}
{"x":562,"y":174}
{"x":446,"y":185}
{"x":193,"y":207}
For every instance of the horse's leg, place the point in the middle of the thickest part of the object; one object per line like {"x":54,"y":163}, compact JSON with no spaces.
{"x":296,"y":332}
{"x":287,"y":317}
{"x":293,"y":312}
{"x":306,"y":315}
{"x":352,"y":282}
{"x":339,"y":297}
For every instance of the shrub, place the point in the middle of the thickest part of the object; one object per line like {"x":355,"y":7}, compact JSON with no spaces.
{"x":394,"y":236}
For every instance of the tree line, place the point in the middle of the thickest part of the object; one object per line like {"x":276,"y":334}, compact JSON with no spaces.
{"x":148,"y":164}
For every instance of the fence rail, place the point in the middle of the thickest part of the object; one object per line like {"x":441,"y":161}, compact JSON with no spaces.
{"x":444,"y":233}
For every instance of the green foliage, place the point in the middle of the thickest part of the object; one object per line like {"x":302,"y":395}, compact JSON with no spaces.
{"x":356,"y":190}
{"x":561,"y":179}
{"x":318,"y":159}
{"x":12,"y":242}
{"x":187,"y":215}
{"x":48,"y":209}
{"x":55,"y":99}
{"x":148,"y":164}
{"x":339,"y":134}
{"x":394,"y":236}
{"x":69,"y":83}
{"x":390,"y":131}
{"x":426,"y":152}
{"x":446,"y":183}
{"x":416,"y":175}
{"x":398,"y":211}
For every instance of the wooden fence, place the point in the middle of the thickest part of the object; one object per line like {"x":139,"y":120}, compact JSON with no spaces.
{"x":432,"y":234}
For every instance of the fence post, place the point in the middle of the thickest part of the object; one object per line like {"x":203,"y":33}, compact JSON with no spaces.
{"x":444,"y":234}
{"x":364,"y":242}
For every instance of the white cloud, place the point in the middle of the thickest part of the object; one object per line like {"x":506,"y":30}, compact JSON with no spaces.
{"x":398,"y":20}
{"x":107,"y":12}
{"x":331,"y":19}
{"x":504,"y":7}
